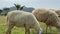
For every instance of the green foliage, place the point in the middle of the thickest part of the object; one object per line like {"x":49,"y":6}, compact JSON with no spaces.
{"x":17,"y":6}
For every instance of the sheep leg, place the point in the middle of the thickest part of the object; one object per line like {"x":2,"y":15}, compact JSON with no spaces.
{"x":9,"y":29}
{"x":58,"y":30}
{"x":27,"y":30}
{"x":50,"y":29}
{"x":46,"y":29}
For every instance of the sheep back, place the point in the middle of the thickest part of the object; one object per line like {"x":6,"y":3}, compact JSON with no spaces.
{"x":21,"y":18}
{"x":47,"y":16}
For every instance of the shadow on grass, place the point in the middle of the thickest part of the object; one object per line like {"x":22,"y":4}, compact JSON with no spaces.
{"x":49,"y":33}
{"x":46,"y":33}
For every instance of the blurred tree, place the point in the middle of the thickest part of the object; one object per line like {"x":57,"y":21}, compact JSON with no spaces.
{"x":17,"y":6}
{"x":6,"y":10}
{"x":1,"y":11}
{"x":22,"y":7}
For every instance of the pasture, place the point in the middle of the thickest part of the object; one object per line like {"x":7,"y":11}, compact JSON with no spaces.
{"x":20,"y":30}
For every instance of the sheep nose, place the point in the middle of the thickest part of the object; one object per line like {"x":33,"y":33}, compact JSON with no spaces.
{"x":40,"y":32}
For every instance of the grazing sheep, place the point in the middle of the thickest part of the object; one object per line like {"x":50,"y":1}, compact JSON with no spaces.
{"x":49,"y":17}
{"x":57,"y":11}
{"x":22,"y":19}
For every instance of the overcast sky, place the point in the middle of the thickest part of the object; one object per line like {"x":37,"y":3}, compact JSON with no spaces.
{"x":32,"y":3}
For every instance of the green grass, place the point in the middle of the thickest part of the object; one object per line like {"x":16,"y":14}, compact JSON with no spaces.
{"x":20,"y":30}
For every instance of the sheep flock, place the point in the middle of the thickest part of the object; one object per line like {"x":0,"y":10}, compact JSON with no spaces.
{"x":29,"y":20}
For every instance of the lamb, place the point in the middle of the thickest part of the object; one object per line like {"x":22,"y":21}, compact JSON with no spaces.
{"x":22,"y":19}
{"x":49,"y":17}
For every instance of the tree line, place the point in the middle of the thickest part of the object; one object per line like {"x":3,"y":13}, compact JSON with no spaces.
{"x":18,"y":7}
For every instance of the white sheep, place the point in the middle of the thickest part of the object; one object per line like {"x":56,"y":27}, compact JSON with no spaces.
{"x":22,"y":19}
{"x":49,"y":17}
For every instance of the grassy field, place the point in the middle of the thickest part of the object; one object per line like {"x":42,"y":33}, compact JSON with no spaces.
{"x":17,"y":30}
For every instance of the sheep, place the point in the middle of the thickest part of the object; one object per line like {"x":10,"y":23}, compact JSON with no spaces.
{"x":22,"y":19}
{"x":49,"y":17}
{"x":57,"y":11}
